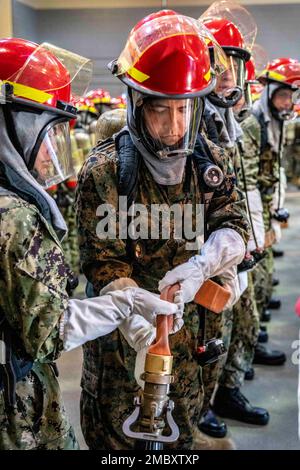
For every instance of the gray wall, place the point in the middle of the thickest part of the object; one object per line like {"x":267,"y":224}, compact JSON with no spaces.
{"x":24,"y":21}
{"x":101,"y":34}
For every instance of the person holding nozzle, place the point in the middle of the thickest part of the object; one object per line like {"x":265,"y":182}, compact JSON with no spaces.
{"x":235,"y":30}
{"x":157,"y":160}
{"x":38,"y":321}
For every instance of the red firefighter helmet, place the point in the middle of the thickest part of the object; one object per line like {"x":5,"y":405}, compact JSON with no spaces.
{"x":99,"y":96}
{"x":86,"y":105}
{"x":46,"y":83}
{"x":283,"y":70}
{"x":233,"y":27}
{"x":166,"y":56}
{"x":41,"y":74}
{"x":228,"y":36}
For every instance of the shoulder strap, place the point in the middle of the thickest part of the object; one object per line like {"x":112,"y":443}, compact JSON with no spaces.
{"x":128,"y":166}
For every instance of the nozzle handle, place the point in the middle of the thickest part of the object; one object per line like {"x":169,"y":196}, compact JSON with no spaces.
{"x":164,"y":324}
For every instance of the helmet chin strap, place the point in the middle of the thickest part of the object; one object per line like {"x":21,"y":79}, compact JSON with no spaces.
{"x":228,"y":101}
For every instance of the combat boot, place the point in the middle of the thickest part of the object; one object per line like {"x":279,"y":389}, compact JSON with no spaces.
{"x":268,"y":357}
{"x":274,"y":304}
{"x":210,"y":425}
{"x":231,"y":403}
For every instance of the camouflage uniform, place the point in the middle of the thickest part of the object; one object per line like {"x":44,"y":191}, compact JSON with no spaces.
{"x":33,"y":299}
{"x":240,"y":335}
{"x":267,"y":177}
{"x":292,"y":151}
{"x":108,"y":372}
{"x":239,"y":326}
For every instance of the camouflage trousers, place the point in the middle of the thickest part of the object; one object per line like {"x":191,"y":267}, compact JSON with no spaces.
{"x":38,"y":421}
{"x":109,"y":388}
{"x":263,"y":272}
{"x":214,"y":327}
{"x":263,"y":281}
{"x":240,"y":337}
{"x":239,"y":328}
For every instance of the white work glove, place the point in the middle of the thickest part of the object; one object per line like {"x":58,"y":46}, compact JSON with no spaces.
{"x":243,"y":281}
{"x":223,"y":249}
{"x":231,"y":281}
{"x":139,"y":333}
{"x":256,"y":210}
{"x":275,"y":197}
{"x":140,"y":365}
{"x":276,"y":226}
{"x":87,"y":319}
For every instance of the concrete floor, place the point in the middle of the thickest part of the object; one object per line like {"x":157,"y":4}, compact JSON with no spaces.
{"x":274,"y":388}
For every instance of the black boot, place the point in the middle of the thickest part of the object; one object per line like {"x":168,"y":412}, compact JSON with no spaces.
{"x":231,"y":403}
{"x":263,"y":336}
{"x":249,"y":374}
{"x":277,"y":253}
{"x":266,"y":315}
{"x":210,"y":425}
{"x":274,"y":304}
{"x":275,"y":282}
{"x":268,"y":357}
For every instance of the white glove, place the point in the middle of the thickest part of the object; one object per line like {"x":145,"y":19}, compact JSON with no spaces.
{"x":87,"y":319}
{"x":231,"y":282}
{"x":224,"y":249}
{"x":276,"y":226}
{"x":140,"y":366}
{"x":243,"y":281}
{"x":139,"y":333}
{"x":283,"y":185}
{"x":256,"y":210}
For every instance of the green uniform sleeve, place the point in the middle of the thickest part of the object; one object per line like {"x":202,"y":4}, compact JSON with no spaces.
{"x":33,"y":281}
{"x":250,"y":152}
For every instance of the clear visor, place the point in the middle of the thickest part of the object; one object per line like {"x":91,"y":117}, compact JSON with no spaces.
{"x":170,"y":127}
{"x":140,"y":39}
{"x":232,"y":78}
{"x":80,"y":70}
{"x":53,"y":163}
{"x":238,"y":15}
{"x":260,"y":58}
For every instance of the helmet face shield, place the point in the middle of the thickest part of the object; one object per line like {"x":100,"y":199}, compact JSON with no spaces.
{"x":53,"y":163}
{"x":230,"y":84}
{"x":169,"y":126}
{"x":281,"y":104}
{"x":233,"y":77}
{"x":238,"y":15}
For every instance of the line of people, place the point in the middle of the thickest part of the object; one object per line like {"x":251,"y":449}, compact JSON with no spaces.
{"x":187,"y":86}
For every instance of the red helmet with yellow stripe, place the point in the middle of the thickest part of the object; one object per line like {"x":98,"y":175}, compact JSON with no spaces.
{"x":166,"y":55}
{"x":42,"y":75}
{"x":38,"y":78}
{"x":284,"y":70}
